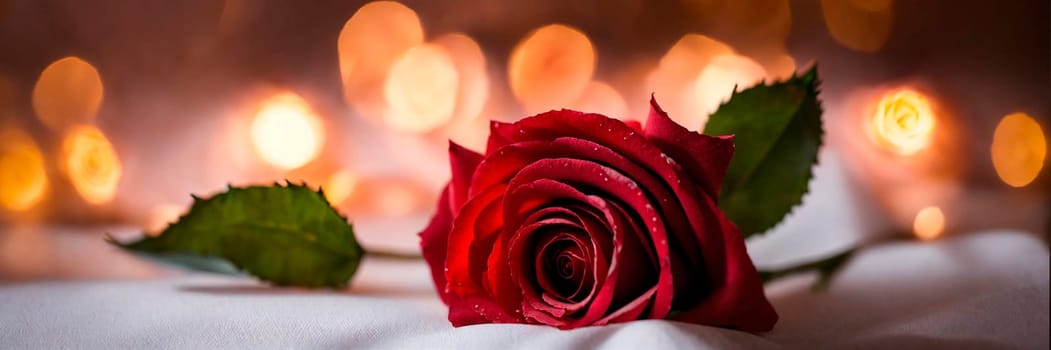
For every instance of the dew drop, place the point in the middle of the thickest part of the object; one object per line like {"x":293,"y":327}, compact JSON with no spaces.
{"x":654,"y":219}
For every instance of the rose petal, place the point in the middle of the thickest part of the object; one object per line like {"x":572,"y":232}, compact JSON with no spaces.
{"x":532,"y":198}
{"x":434,"y":242}
{"x":626,"y":277}
{"x":470,"y":238}
{"x":618,"y":186}
{"x":625,"y":141}
{"x":704,"y":157}
{"x":463,"y":163}
{"x":628,"y":249}
{"x":630,"y":311}
{"x":738,"y":300}
{"x":499,"y":167}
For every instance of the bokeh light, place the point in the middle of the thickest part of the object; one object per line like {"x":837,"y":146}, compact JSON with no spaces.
{"x":599,"y":97}
{"x":929,"y":223}
{"x":671,"y":82}
{"x":377,"y":34}
{"x":68,"y":92}
{"x":285,"y":131}
{"x":473,"y":88}
{"x":1019,"y":149}
{"x":903,"y":122}
{"x":161,"y":216}
{"x":91,"y":164}
{"x":23,"y":178}
{"x":780,"y":66}
{"x":421,"y":89}
{"x":860,"y":25}
{"x":339,"y":186}
{"x":551,"y":67}
{"x":717,"y":82}
{"x":394,"y":199}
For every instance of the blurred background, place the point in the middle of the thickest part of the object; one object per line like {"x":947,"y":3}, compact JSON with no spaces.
{"x":113,"y":112}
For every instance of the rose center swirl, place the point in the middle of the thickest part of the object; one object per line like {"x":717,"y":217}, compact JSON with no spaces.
{"x":563,"y":267}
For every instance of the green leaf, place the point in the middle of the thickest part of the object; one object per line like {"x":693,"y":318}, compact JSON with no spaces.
{"x":287,"y":235}
{"x":778,"y":133}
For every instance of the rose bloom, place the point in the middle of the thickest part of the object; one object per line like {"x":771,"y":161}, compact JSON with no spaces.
{"x":573,"y":219}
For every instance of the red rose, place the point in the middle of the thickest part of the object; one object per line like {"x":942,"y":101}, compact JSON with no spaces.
{"x":573,"y":219}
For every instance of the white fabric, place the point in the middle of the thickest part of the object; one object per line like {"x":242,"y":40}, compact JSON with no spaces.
{"x":976,"y":291}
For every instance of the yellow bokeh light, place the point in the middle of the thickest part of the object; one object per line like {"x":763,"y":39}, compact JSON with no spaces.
{"x":421,"y":89}
{"x":285,"y":132}
{"x":779,"y":67}
{"x":340,"y":186}
{"x":551,"y":67}
{"x":91,"y":164}
{"x":68,"y":92}
{"x":161,"y":216}
{"x":860,"y":25}
{"x":473,"y":88}
{"x":377,"y":34}
{"x":23,"y":180}
{"x":716,"y":83}
{"x":902,"y":122}
{"x":1019,"y":149}
{"x":929,"y":223}
{"x":691,"y":53}
{"x":677,"y":72}
{"x":599,"y":97}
